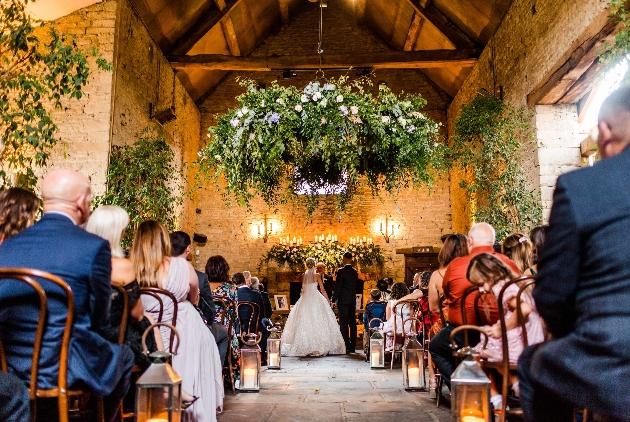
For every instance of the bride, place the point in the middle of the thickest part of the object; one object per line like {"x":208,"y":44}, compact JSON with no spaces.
{"x":312,"y":328}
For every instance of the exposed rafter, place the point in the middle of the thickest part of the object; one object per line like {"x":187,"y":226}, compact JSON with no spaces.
{"x":414,"y":30}
{"x":283,"y":5}
{"x":443,"y":24}
{"x":202,"y":25}
{"x":424,"y":59}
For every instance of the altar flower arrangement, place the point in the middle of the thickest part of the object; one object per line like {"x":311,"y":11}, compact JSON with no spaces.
{"x":279,"y":139}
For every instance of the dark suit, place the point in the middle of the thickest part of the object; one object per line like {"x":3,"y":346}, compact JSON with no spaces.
{"x":329,"y":284}
{"x":14,"y":404}
{"x":83,"y":260}
{"x":345,"y":290}
{"x":206,"y":305}
{"x":244,"y":293}
{"x":583,"y":294}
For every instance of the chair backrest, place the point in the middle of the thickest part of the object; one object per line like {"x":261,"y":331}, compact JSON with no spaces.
{"x":441,"y":310}
{"x":526,"y":283}
{"x":369,"y":311}
{"x":28,"y":277}
{"x":399,"y":309}
{"x":155,"y":293}
{"x":245,"y":325}
{"x":468,"y":291}
{"x":125,"y":312}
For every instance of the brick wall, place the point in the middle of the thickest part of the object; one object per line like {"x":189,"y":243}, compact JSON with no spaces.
{"x":532,"y":38}
{"x":423,"y":216}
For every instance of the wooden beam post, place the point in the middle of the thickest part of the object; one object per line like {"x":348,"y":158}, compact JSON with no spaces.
{"x":283,"y":5}
{"x":230,"y":36}
{"x":414,"y":30}
{"x":455,"y":35}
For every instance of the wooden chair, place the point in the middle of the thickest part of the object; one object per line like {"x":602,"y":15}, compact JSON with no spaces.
{"x":467,"y":292}
{"x":414,"y":324}
{"x":156,"y":293}
{"x":397,"y":338}
{"x":369,"y":313}
{"x":125,"y":312}
{"x":60,"y":392}
{"x":229,"y":312}
{"x":251,"y":326}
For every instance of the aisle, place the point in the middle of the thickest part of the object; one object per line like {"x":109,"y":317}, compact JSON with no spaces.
{"x":331,"y":389}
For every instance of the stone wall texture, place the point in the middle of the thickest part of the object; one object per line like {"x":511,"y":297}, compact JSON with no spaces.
{"x":533,"y":37}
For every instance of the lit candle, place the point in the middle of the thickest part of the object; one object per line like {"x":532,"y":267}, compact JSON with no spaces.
{"x":381,"y":229}
{"x":273,"y":359}
{"x":414,"y":377}
{"x":316,"y":238}
{"x":376,"y":358}
{"x":157,"y":420}
{"x":335,"y":238}
{"x":370,"y":240}
{"x":364,"y":239}
{"x":472,"y":419}
{"x":281,"y":241}
{"x":249,"y":378}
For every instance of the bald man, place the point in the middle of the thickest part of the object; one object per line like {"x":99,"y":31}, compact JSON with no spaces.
{"x":481,"y":238}
{"x":58,"y":245}
{"x":583,"y":286}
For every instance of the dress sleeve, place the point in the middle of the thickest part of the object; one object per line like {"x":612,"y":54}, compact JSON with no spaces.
{"x":510,"y":293}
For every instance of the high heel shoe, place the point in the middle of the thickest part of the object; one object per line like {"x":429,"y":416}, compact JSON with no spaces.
{"x":187,"y":404}
{"x":433,"y":388}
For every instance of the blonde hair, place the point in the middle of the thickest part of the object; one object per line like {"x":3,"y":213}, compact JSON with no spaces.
{"x":255,"y":283}
{"x":310,"y":263}
{"x":518,"y":248}
{"x":150,"y":246}
{"x":108,"y":222}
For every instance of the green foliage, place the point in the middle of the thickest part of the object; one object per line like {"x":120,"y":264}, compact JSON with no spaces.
{"x":141,"y":179}
{"x":280,"y":139}
{"x":34,"y":73}
{"x":486,"y":145}
{"x":331,"y":254}
{"x":620,"y":12}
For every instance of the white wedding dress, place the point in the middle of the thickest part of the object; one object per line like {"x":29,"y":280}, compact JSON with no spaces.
{"x":312,"y":328}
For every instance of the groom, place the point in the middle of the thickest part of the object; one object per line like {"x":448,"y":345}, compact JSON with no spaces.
{"x":345,"y":299}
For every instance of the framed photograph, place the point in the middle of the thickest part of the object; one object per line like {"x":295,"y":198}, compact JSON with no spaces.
{"x":281,"y":302}
{"x":359,"y":301}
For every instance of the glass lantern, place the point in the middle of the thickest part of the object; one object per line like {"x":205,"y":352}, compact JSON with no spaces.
{"x":470,"y":389}
{"x":158,"y":391}
{"x":412,"y":364}
{"x":377,"y":350}
{"x":274,"y":348}
{"x":250,"y":365}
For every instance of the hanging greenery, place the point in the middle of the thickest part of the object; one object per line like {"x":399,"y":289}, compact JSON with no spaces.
{"x":486,"y":145}
{"x":613,"y":53}
{"x":142,"y":179}
{"x":331,"y":254}
{"x":280,"y":140}
{"x":34,"y":75}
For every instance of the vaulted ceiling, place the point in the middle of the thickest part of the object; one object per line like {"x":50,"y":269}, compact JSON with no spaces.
{"x":205,"y":39}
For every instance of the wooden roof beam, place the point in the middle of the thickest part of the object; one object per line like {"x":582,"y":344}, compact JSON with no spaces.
{"x":423,"y":59}
{"x":414,"y":31}
{"x":283,"y":5}
{"x":455,"y":35}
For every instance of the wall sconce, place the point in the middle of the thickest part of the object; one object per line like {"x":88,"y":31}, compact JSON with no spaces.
{"x":390,"y":229}
{"x":265,"y":229}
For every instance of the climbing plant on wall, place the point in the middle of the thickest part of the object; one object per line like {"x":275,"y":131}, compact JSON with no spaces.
{"x":142,"y":179}
{"x":282,"y":139}
{"x":613,"y":52}
{"x":37,"y":74}
{"x":489,"y":135}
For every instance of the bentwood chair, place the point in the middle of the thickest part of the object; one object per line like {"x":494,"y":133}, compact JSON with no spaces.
{"x":248,"y":326}
{"x":227,"y":312}
{"x":159,"y":294}
{"x":125,"y":312}
{"x":398,"y":339}
{"x":416,"y":323}
{"x":369,"y":316}
{"x":60,"y":391}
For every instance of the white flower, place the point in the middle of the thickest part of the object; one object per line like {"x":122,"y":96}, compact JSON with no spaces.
{"x":317,"y":96}
{"x":208,"y":135}
{"x":385,"y":119}
{"x":251,"y":136}
{"x":235,"y":122}
{"x":354,"y":109}
{"x":298,"y":107}
{"x":239,"y":114}
{"x":217,"y":157}
{"x":323,"y":121}
{"x":323,"y":102}
{"x":304,"y":98}
{"x":244,"y":110}
{"x":199,"y":154}
{"x":280,"y":101}
{"x":402,"y":121}
{"x":339,"y":98}
{"x":263,"y":103}
{"x":393,"y":129}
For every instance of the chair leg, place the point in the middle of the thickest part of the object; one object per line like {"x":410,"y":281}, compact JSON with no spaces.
{"x":100,"y":410}
{"x":439,"y":389}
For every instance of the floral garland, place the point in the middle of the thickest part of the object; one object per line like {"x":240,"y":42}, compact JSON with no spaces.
{"x":331,"y":254}
{"x":281,"y":139}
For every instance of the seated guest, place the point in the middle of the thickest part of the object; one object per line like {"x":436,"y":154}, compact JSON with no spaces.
{"x":58,"y":245}
{"x":245,"y":315}
{"x":329,"y":283}
{"x":180,"y":248}
{"x":481,"y":237}
{"x":266,"y":309}
{"x":110,"y":222}
{"x":376,"y":311}
{"x":14,"y":400}
{"x":381,"y":285}
{"x":537,"y":236}
{"x":420,"y":282}
{"x":490,"y":274}
{"x":248,"y":278}
{"x":18,"y":208}
{"x":518,"y":248}
{"x":399,"y":290}
{"x":197,"y":359}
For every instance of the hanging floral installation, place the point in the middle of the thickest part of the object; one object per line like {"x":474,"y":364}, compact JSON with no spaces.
{"x":281,"y":141}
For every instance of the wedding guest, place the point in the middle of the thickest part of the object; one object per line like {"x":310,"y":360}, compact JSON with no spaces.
{"x":18,"y":208}
{"x":218,"y":272}
{"x":345,"y":299}
{"x":518,"y":248}
{"x":246,"y":314}
{"x":58,"y":245}
{"x":180,"y":248}
{"x":583,"y":286}
{"x":381,"y":285}
{"x":537,"y":236}
{"x":109,"y":222}
{"x":197,"y":359}
{"x":376,"y":311}
{"x":248,"y":278}
{"x":420,"y":281}
{"x":14,"y":400}
{"x":399,"y":290}
{"x":491,"y":274}
{"x":266,"y":309}
{"x":481,"y":237}
{"x":329,"y":283}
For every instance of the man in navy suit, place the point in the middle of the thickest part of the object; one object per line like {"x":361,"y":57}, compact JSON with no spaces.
{"x":345,"y":299}
{"x":583,"y":286}
{"x":244,"y":293}
{"x":58,"y":245}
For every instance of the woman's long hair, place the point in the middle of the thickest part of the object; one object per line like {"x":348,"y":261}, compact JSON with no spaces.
{"x":399,"y":290}
{"x":538,"y":236}
{"x":18,"y":208}
{"x":218,"y":270}
{"x":518,"y":248}
{"x":109,"y":222}
{"x":455,"y":245}
{"x":486,"y":267}
{"x":151,"y":245}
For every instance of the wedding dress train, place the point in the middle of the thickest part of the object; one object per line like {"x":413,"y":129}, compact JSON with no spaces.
{"x":312,"y":328}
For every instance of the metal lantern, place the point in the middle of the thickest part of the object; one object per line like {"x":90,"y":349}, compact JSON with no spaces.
{"x":413,"y":364}
{"x":250,"y":364}
{"x":274,"y":348}
{"x":158,"y":390}
{"x":377,"y":350}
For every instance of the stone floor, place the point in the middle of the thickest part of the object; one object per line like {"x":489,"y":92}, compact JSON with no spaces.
{"x":331,"y":389}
